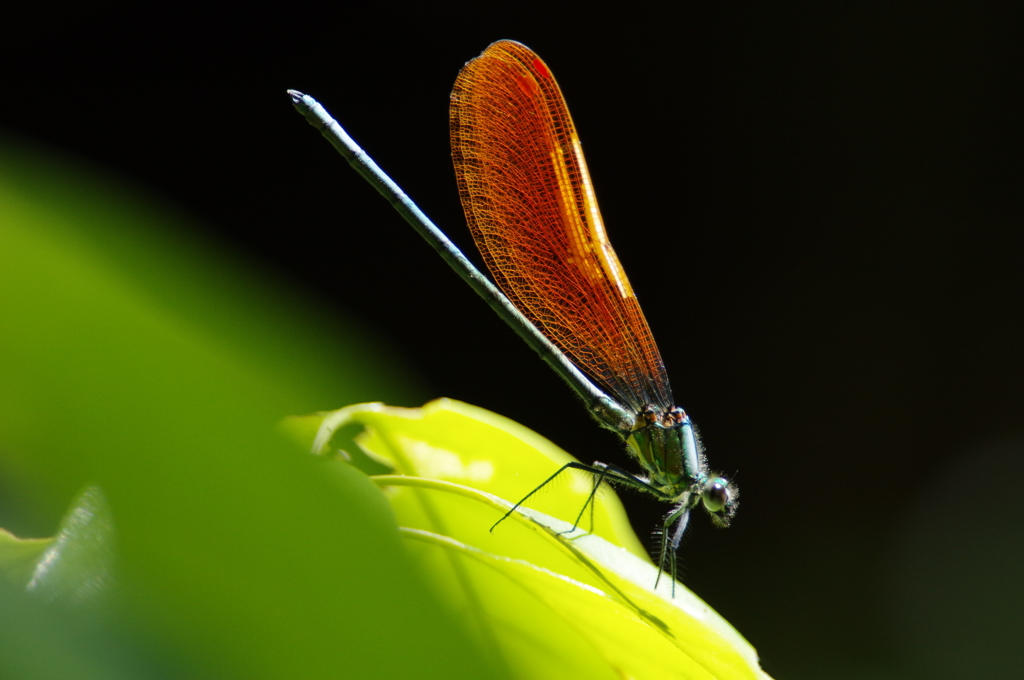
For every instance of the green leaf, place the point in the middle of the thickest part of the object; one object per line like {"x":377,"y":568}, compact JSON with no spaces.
{"x":138,"y":359}
{"x":76,"y":565}
{"x":19,"y":556}
{"x":550,"y":602}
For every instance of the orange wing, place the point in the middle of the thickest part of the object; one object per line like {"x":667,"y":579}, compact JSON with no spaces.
{"x":533,"y":213}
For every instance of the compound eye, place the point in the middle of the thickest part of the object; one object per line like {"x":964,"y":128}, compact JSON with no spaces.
{"x":716,"y":495}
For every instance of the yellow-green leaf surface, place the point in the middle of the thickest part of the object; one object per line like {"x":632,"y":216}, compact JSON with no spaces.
{"x":550,"y":602}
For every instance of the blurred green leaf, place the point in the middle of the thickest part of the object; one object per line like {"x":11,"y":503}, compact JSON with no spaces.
{"x":139,"y":360}
{"x":19,"y":556}
{"x":76,"y":566}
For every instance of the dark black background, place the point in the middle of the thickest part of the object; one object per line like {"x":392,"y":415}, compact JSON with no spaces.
{"x":819,"y":206}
